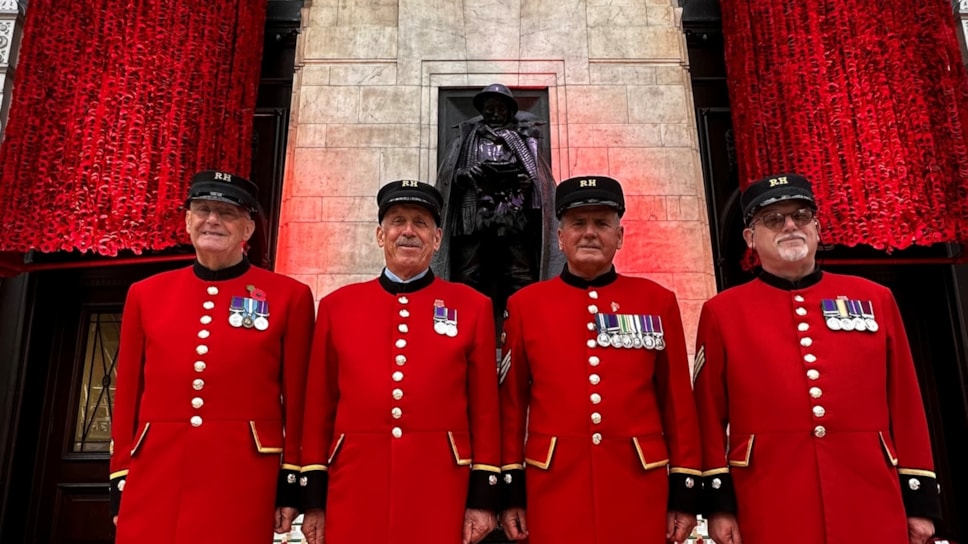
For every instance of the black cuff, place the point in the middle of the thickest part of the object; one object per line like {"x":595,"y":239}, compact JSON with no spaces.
{"x":685,"y":493}
{"x":483,"y":492}
{"x":312,"y":487}
{"x":287,"y":488}
{"x":718,"y":495}
{"x":921,"y":497}
{"x":513,"y":492}
{"x":117,"y":485}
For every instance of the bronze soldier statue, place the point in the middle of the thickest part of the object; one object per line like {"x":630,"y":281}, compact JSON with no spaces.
{"x":498,"y":202}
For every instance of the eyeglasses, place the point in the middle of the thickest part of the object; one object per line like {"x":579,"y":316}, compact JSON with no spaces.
{"x":225,"y":213}
{"x":775,"y":221}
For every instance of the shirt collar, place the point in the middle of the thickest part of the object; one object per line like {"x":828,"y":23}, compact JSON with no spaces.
{"x":394,"y":285}
{"x":810,"y":279}
{"x":230,"y":273}
{"x":582,"y":283}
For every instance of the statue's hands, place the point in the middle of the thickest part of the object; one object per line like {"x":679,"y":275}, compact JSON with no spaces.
{"x":469,"y":177}
{"x":524,"y":181}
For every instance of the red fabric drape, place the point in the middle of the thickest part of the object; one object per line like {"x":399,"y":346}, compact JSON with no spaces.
{"x":868,"y":100}
{"x":115,"y":104}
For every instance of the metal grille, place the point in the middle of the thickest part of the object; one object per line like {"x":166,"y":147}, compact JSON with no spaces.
{"x":92,"y":429}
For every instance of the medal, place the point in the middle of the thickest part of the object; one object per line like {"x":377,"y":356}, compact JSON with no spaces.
{"x":867,"y":312}
{"x":440,"y":318}
{"x":235,"y":312}
{"x":261,"y":323}
{"x":659,"y":333}
{"x":451,"y":328}
{"x":830,"y":314}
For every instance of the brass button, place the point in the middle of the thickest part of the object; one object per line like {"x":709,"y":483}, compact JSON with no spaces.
{"x":806,"y":341}
{"x":397,"y":376}
{"x":592,"y":309}
{"x":594,"y":379}
{"x":208,"y":305}
{"x":402,"y":299}
{"x":397,"y":432}
{"x":402,"y":327}
{"x":212,"y":290}
{"x":401,"y":343}
{"x":596,"y":418}
{"x":203,"y":334}
{"x":205,"y":320}
{"x":810,"y":358}
{"x":400,"y":360}
{"x":597,"y":438}
{"x":197,"y":402}
{"x":593,"y":295}
{"x":593,"y":360}
{"x":818,"y":411}
{"x":198,"y":384}
{"x":801,"y":311}
{"x":803,"y":327}
{"x":397,"y":394}
{"x":596,"y":398}
{"x":397,"y":413}
{"x":819,"y":431}
{"x":404,"y":313}
{"x":201,"y":349}
{"x":813,"y":374}
{"x":591,"y":343}
{"x":816,"y":392}
{"x":199,"y":366}
{"x":196,"y":421}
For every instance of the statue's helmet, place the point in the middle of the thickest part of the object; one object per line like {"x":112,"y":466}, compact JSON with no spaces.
{"x":496,"y":90}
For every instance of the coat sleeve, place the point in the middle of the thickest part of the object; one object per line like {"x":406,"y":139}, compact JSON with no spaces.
{"x":909,"y":428}
{"x":678,"y":409}
{"x":322,"y":395}
{"x":296,"y":343}
{"x":515,"y":377}
{"x":711,"y":405}
{"x":483,"y":492}
{"x":130,"y":381}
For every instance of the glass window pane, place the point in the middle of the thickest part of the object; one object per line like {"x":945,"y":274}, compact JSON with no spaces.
{"x":92,"y":429}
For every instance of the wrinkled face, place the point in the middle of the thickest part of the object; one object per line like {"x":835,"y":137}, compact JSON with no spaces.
{"x":409,"y":237}
{"x":495,"y":112}
{"x":794,"y":239}
{"x":589,"y":237}
{"x":218,"y":228}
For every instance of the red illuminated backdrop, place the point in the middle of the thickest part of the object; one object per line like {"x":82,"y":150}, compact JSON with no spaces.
{"x":868,"y":101}
{"x":115,"y":104}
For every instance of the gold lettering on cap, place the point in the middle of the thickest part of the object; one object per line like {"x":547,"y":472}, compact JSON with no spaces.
{"x":587,"y":183}
{"x":222,"y":176}
{"x":778,"y":181}
{"x":408,"y":183}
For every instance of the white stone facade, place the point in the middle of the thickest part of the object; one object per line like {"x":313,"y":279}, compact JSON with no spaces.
{"x":11,"y":28}
{"x":365,"y":113}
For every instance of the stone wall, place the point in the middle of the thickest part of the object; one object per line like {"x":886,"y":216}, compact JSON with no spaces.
{"x":365,"y":113}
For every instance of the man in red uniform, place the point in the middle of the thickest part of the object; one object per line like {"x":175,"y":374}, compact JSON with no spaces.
{"x":596,"y":398}
{"x":812,"y":374}
{"x":401,"y":442}
{"x":211,"y":381}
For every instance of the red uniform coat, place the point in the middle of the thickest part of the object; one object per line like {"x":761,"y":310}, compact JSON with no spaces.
{"x":826,"y":427}
{"x":198,"y":443}
{"x":402,"y":416}
{"x":607,"y":425}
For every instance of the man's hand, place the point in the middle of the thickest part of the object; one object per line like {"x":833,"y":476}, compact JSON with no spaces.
{"x":920,"y":530}
{"x":477,"y":525}
{"x":312,"y":526}
{"x":679,"y":526}
{"x":724,"y":529}
{"x":284,"y":517}
{"x":515,"y":523}
{"x":115,"y":520}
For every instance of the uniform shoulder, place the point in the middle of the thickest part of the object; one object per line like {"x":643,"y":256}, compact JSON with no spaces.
{"x":538,"y":290}
{"x":733,"y":294}
{"x":644,"y":284}
{"x":460,"y":290}
{"x":846,"y":281}
{"x":277,"y":278}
